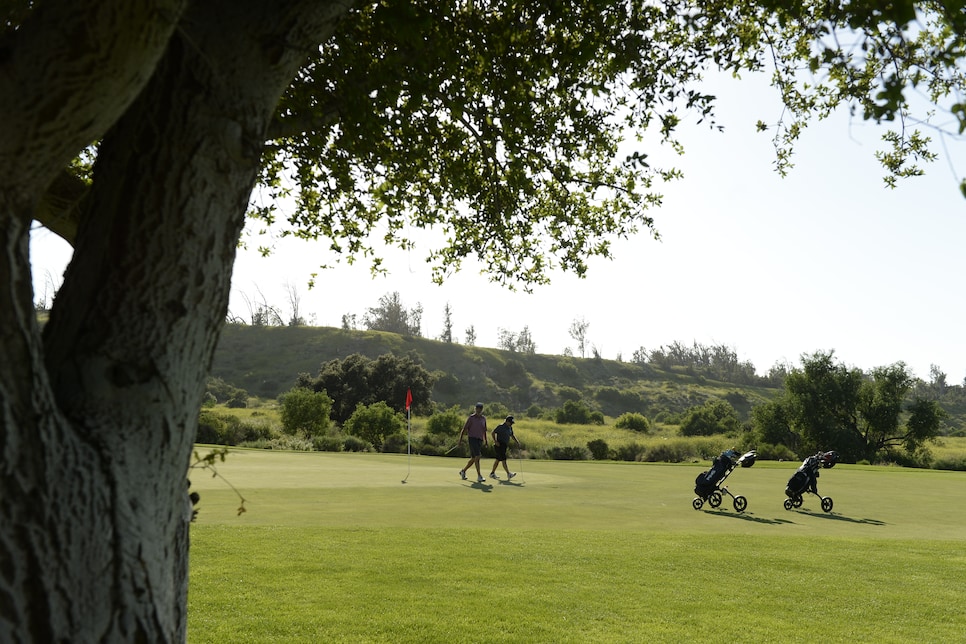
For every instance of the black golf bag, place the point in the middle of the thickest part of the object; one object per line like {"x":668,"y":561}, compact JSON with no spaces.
{"x":707,"y":485}
{"x":805,"y":480}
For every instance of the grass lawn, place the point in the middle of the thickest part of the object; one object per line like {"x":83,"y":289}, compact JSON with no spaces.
{"x":334,"y":548}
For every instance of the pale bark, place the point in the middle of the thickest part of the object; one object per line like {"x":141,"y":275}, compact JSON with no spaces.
{"x":98,"y":416}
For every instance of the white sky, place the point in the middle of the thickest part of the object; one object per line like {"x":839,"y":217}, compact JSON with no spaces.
{"x":825,"y":259}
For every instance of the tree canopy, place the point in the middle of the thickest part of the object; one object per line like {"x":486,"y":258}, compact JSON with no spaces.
{"x":138,"y":132}
{"x":829,"y":406}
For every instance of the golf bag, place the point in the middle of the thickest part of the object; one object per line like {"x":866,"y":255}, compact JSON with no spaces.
{"x":708,"y":486}
{"x":805,"y":480}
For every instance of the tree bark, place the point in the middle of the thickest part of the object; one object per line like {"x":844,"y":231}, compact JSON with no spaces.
{"x":99,"y":413}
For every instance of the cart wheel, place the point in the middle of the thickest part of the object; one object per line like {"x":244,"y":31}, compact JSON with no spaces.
{"x":740,"y":503}
{"x":797,"y":502}
{"x":827,"y":503}
{"x":697,"y":503}
{"x":715,"y":499}
{"x":788,"y":504}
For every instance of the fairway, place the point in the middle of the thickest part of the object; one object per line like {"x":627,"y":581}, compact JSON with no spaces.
{"x":334,"y":547}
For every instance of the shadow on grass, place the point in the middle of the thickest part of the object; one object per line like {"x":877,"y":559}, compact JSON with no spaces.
{"x":482,"y":487}
{"x":512,"y":483}
{"x":746,"y":516}
{"x":841,"y":517}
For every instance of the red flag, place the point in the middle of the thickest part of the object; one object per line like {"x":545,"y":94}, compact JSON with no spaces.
{"x":409,"y":398}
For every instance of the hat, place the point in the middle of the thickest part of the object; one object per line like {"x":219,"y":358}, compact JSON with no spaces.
{"x":509,"y":419}
{"x":479,"y":405}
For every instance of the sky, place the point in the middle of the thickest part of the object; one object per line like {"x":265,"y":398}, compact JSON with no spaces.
{"x":827,"y":258}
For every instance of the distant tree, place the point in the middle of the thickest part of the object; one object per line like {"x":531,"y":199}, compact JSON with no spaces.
{"x":446,"y":423}
{"x":525,"y":343}
{"x":771,"y":425}
{"x":447,"y":335}
{"x":471,"y":336}
{"x":574,"y":412}
{"x":374,"y":423}
{"x":937,"y":381}
{"x":349,"y":321}
{"x":640,"y":356}
{"x":832,"y":406}
{"x":358,"y":380}
{"x":578,"y":331}
{"x":390,"y":315}
{"x":294,"y":303}
{"x":633,"y":421}
{"x":714,"y":417}
{"x":304,"y":410}
{"x":506,"y":340}
{"x":260,"y":312}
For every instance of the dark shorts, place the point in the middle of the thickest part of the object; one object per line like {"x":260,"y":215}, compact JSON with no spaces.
{"x":476,"y":446}
{"x":500,"y":450}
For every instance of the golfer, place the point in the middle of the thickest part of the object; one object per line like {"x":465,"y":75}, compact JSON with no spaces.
{"x":501,"y":442}
{"x":475,"y":430}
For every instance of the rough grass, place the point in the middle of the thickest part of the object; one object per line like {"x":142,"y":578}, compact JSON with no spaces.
{"x":333,"y":547}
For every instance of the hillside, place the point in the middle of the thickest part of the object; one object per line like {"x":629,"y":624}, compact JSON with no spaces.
{"x":265,"y":361}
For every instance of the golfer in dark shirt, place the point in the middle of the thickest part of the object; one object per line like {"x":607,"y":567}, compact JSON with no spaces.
{"x":501,"y":442}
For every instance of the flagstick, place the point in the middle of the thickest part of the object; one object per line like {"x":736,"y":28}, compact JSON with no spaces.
{"x":409,"y":444}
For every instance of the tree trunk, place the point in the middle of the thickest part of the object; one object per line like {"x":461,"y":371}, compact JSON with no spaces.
{"x":99,"y":415}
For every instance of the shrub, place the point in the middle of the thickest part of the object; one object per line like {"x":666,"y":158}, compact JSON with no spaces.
{"x":374,"y":423}
{"x":629,"y":452}
{"x":568,"y":393}
{"x":779,"y":452}
{"x":568,"y":453}
{"x":396,"y":444}
{"x":327,"y":443}
{"x":355,"y":444}
{"x":534,"y":411}
{"x":950,"y":463}
{"x":713,"y":417}
{"x":599,"y":449}
{"x":304,"y":410}
{"x":239,"y":400}
{"x":634,"y":422}
{"x":496,"y":411}
{"x":574,"y":412}
{"x":225,"y":429}
{"x":446,"y":423}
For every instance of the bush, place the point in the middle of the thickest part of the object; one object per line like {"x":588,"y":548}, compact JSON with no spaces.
{"x":304,"y":410}
{"x":599,"y":449}
{"x":225,"y":429}
{"x":396,"y":444}
{"x":327,"y":443}
{"x":568,"y":393}
{"x":779,"y":452}
{"x":374,"y":423}
{"x":713,"y":417}
{"x":446,"y":423}
{"x":574,"y":412}
{"x":355,"y":444}
{"x":634,"y":422}
{"x":629,"y":452}
{"x":957,"y":463}
{"x":568,"y":453}
{"x":238,"y":401}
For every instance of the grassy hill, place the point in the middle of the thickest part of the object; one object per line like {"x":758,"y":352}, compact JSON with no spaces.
{"x":265,"y":361}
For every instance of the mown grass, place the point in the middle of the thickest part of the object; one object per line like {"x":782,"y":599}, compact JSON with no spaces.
{"x":333,"y":547}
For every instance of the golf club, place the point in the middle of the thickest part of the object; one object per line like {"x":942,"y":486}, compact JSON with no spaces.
{"x":451,"y":449}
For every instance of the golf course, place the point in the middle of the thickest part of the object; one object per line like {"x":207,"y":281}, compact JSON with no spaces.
{"x":365,"y":547}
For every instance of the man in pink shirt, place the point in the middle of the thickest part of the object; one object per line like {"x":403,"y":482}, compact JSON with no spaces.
{"x":475,"y":429}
